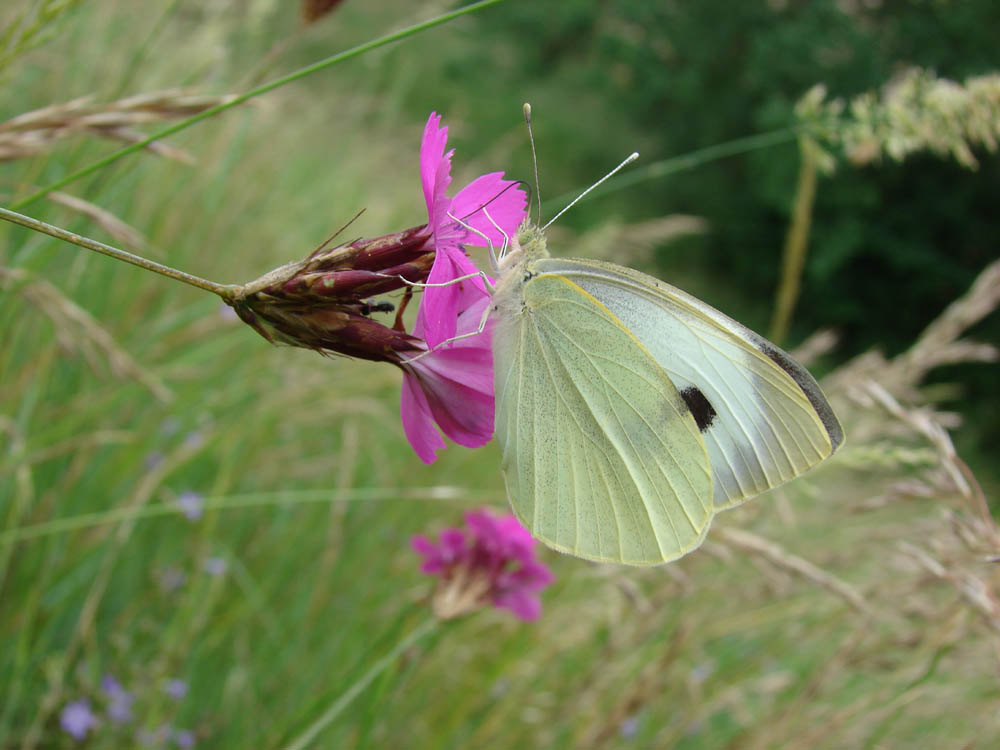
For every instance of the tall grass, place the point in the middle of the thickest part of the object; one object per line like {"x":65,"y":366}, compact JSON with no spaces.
{"x":854,"y":607}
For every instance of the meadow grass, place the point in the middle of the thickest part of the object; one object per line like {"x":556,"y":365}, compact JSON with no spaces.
{"x":854,"y":607}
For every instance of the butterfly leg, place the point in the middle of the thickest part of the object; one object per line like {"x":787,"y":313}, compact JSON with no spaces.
{"x":494,"y":257}
{"x":479,"y":329}
{"x":423,"y":284}
{"x":486,"y":279}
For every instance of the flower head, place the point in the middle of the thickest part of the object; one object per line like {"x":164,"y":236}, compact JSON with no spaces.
{"x":492,"y":206}
{"x":491,"y":560}
{"x":324,"y":302}
{"x":77,"y":719}
{"x":451,"y":384}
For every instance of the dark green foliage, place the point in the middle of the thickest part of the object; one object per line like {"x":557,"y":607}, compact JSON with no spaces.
{"x":891,"y":244}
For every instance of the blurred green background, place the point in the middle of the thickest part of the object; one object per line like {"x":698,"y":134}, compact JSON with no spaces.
{"x":120,"y":391}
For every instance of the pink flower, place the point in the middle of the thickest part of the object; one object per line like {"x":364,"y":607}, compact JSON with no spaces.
{"x":491,"y":560}
{"x":452,"y":386}
{"x":506,"y":204}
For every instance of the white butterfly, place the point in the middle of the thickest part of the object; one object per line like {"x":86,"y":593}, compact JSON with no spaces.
{"x":629,"y":412}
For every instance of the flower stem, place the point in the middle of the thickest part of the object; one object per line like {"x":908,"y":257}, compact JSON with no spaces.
{"x":262,"y":89}
{"x":283,"y":498}
{"x":796,"y":241}
{"x":304,"y":739}
{"x":226,"y":291}
{"x":690,"y":160}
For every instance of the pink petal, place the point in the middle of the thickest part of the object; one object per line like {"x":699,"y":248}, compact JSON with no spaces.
{"x":532,"y":576}
{"x":454,"y":388}
{"x":435,"y":165}
{"x":440,"y":305}
{"x":525,"y":606}
{"x":471,"y":321}
{"x":418,"y":422}
{"x":435,"y":177}
{"x":447,"y":232}
{"x":452,"y":544}
{"x":464,"y":413}
{"x":423,"y":546}
{"x":433,"y":567}
{"x":518,"y":542}
{"x":505,"y":203}
{"x":484,"y":525}
{"x":433,"y":562}
{"x":468,"y":362}
{"x":465,"y":369}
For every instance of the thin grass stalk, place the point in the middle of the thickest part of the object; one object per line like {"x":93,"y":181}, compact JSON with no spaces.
{"x":691,"y":160}
{"x":28,"y":29}
{"x":23,"y":489}
{"x":226,"y":291}
{"x":306,"y":738}
{"x":442,"y":493}
{"x":86,"y":621}
{"x":78,"y":333}
{"x":796,"y":241}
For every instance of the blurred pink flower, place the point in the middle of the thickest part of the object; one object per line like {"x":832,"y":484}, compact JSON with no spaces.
{"x":489,"y":561}
{"x":452,"y":386}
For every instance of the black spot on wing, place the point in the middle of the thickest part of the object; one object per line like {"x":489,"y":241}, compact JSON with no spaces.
{"x":699,"y":407}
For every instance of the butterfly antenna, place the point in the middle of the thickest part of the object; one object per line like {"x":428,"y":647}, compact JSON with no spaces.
{"x":534,"y":157}
{"x":632,"y":157}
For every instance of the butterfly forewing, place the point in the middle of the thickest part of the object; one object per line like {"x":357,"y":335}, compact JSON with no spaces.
{"x":762,"y":416}
{"x":601,"y":454}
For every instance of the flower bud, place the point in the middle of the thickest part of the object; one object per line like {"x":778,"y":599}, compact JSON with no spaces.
{"x":322,"y":302}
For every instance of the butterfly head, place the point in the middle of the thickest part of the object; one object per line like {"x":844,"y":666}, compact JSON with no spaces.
{"x":527,"y":245}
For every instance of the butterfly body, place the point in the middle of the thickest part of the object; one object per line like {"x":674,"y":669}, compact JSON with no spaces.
{"x":629,"y":413}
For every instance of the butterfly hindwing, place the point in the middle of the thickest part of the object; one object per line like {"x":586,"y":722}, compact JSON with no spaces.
{"x":602,"y":455}
{"x":762,"y":416}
